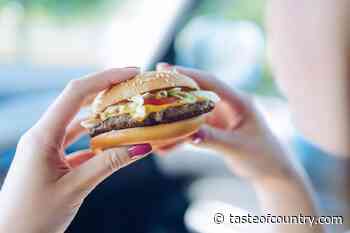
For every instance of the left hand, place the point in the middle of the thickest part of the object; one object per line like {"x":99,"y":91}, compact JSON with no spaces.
{"x":44,"y":188}
{"x":240,"y":133}
{"x":237,"y":129}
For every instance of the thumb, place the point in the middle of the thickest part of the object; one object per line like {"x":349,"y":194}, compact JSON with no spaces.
{"x":90,"y":173}
{"x":214,"y":138}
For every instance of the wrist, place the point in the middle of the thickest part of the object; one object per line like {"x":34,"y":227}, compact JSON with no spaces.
{"x":270,"y":166}
{"x":17,"y":219}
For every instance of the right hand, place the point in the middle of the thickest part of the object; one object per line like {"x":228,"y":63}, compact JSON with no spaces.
{"x":238,"y":130}
{"x":44,"y":187}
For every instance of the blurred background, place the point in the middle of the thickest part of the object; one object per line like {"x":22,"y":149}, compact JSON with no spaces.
{"x":46,"y":43}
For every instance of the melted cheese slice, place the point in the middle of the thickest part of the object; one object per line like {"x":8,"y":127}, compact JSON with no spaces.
{"x":147,"y":109}
{"x":157,"y":108}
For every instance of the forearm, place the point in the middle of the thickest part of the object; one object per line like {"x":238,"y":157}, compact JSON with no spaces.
{"x":287,"y":198}
{"x":287,"y":192}
{"x":281,"y":185}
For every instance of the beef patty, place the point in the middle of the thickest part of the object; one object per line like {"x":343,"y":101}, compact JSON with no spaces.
{"x":168,"y":115}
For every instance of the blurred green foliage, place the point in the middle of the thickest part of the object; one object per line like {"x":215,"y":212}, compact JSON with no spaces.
{"x":63,"y":9}
{"x":68,"y":10}
{"x":251,"y":10}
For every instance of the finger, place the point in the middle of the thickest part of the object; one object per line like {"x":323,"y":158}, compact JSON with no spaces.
{"x":209,"y":82}
{"x":222,"y":117}
{"x":163,"y":66}
{"x":167,"y":148}
{"x":88,"y":100}
{"x":89,"y":174}
{"x":214,"y":138}
{"x":73,"y":132}
{"x":65,"y":107}
{"x":77,"y":158}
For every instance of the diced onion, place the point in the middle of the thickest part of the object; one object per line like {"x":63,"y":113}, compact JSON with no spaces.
{"x":138,"y":99}
{"x":207,"y":95}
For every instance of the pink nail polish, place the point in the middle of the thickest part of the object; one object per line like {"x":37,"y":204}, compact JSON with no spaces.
{"x":139,"y":150}
{"x":198,"y":137}
{"x":132,"y":67}
{"x":164,"y":65}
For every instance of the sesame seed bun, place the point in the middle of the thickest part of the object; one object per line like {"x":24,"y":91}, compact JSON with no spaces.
{"x":144,"y":82}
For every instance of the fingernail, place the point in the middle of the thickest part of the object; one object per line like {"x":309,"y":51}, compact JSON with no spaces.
{"x":132,"y":67}
{"x":164,"y":65}
{"x":139,"y":150}
{"x":198,"y":137}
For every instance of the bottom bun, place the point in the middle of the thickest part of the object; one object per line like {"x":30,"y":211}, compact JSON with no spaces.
{"x":157,"y":135}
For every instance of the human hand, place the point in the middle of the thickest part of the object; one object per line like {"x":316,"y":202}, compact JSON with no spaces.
{"x":44,"y":188}
{"x":237,"y":129}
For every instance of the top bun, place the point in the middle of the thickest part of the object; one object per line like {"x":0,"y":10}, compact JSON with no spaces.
{"x":141,"y":83}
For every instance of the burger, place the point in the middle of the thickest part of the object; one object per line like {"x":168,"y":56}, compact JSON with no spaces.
{"x":156,"y":107}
